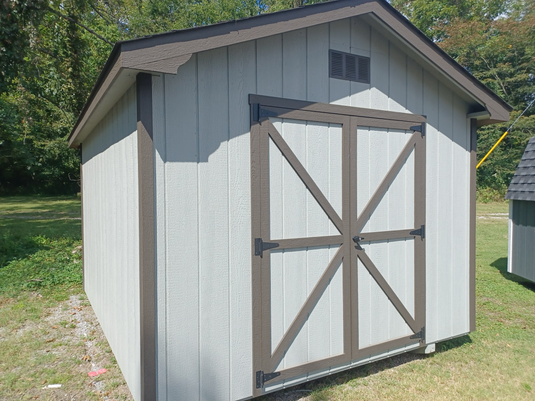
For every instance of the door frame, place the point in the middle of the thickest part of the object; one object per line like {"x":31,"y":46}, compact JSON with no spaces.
{"x":263,"y":107}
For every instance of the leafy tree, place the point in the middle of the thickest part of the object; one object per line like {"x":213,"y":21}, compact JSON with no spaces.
{"x":493,"y":40}
{"x":49,"y":61}
{"x":431,"y":16}
{"x":52,"y":51}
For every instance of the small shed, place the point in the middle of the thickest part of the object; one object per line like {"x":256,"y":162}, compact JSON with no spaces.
{"x":275,"y":199}
{"x":521,"y":195}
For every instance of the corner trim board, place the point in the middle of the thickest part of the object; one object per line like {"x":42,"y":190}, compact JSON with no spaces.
{"x":147,"y":268}
{"x":82,"y":213}
{"x":472,"y":251}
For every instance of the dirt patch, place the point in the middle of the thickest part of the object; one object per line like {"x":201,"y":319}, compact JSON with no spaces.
{"x":60,"y":349}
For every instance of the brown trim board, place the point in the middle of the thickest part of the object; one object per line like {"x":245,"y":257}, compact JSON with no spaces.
{"x":472,"y":251}
{"x":82,"y":213}
{"x":147,"y":268}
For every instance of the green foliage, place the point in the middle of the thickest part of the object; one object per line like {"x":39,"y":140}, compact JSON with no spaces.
{"x":51,"y":53}
{"x":488,"y":195}
{"x":14,"y":247}
{"x":54,"y":264}
{"x":430,"y":16}
{"x":39,"y":243}
{"x":493,"y":40}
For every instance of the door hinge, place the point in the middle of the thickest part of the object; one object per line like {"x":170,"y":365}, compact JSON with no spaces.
{"x":420,"y":232}
{"x":262,"y":377}
{"x":259,"y":112}
{"x":419,"y":128}
{"x":420,"y":335}
{"x":261,"y":246}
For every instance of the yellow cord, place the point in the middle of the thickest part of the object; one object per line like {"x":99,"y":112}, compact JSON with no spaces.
{"x":506,"y":132}
{"x":490,"y":151}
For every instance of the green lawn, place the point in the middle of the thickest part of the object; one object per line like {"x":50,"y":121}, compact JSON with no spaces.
{"x":43,"y":310}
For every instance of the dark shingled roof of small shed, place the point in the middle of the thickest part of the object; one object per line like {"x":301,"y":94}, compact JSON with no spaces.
{"x":522,"y":185}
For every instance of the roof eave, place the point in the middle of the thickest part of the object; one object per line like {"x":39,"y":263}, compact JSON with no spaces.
{"x":165,"y":53}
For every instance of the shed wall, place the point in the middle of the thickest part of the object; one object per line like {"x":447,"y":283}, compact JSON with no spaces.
{"x":521,"y":260}
{"x":111,"y":233}
{"x":202,"y":178}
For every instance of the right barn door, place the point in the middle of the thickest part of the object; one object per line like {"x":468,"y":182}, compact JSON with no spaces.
{"x":388,"y":232}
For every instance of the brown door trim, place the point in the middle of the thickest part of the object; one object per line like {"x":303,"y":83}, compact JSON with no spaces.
{"x":383,"y":186}
{"x":378,"y":277}
{"x":263,"y":359}
{"x":346,"y":111}
{"x":262,"y":131}
{"x":305,"y":310}
{"x":303,"y":175}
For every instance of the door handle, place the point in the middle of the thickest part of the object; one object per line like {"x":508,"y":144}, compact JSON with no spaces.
{"x":356,"y":240}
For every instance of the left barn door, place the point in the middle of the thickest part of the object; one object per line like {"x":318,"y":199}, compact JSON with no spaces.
{"x":301,"y":242}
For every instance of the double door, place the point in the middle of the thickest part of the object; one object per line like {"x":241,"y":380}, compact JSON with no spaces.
{"x":338,"y":236}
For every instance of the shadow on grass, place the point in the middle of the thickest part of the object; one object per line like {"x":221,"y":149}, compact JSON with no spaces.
{"x":21,"y":238}
{"x":501,"y":265}
{"x":453,"y":343}
{"x":14,"y":247}
{"x":39,"y":204}
{"x":320,"y":387}
{"x":52,"y":228}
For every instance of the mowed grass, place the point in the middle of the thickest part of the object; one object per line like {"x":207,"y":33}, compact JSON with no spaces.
{"x":497,"y":362}
{"x":40,"y":273}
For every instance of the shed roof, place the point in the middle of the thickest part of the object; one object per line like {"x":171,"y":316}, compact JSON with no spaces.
{"x":522,"y":185}
{"x":165,"y":53}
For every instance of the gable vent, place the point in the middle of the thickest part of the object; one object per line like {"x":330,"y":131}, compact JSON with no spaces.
{"x":349,"y":67}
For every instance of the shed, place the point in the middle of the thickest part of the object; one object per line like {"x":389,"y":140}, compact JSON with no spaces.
{"x":275,"y":199}
{"x":521,"y":195}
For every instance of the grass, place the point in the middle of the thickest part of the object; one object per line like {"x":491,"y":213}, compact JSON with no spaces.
{"x":42,"y":308}
{"x":47,"y":326}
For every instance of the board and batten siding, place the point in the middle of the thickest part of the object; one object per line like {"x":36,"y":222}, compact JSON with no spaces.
{"x":521,"y":258}
{"x":111,"y":233}
{"x":203,"y":196}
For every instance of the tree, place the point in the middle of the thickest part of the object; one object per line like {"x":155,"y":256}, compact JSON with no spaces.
{"x":493,"y":40}
{"x":431,"y":16}
{"x":49,"y":58}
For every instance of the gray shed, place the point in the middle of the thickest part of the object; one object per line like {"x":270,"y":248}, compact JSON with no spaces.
{"x":275,"y":199}
{"x":521,"y":195}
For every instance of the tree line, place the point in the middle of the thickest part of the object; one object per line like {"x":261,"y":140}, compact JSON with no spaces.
{"x":51,"y":53}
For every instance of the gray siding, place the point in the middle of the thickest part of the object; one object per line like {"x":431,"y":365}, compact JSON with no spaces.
{"x":521,"y":260}
{"x":202,"y":177}
{"x":111,"y":233}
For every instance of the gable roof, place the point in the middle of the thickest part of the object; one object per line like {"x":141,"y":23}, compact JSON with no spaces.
{"x":165,"y":53}
{"x":522,"y":185}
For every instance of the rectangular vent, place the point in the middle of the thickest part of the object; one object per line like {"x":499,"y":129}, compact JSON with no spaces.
{"x":337,"y":65}
{"x":349,"y":67}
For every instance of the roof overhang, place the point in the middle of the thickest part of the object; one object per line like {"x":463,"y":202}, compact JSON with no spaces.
{"x":165,"y":53}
